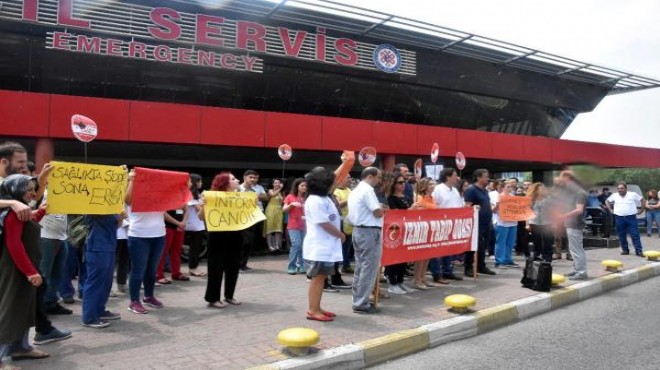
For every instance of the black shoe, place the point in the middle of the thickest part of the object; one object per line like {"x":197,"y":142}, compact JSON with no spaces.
{"x":58,"y":310}
{"x":487,"y":271}
{"x":452,"y":277}
{"x":340,"y":284}
{"x":368,"y":310}
{"x":625,"y":253}
{"x":245,"y":268}
{"x":639,"y":254}
{"x":469,"y":272}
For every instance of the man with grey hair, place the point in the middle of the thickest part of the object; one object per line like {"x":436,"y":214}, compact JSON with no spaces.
{"x":365,"y":213}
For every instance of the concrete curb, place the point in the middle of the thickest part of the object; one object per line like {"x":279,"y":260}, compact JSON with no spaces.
{"x":378,"y":350}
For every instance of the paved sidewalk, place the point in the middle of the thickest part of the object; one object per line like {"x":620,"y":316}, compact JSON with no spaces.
{"x":188,"y":335}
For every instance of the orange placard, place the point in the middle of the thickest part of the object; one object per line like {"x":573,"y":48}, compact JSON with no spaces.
{"x":513,"y":208}
{"x":347,"y":162}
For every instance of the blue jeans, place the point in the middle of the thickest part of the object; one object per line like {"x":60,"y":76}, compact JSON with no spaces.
{"x":628,"y":225}
{"x":650,"y":217}
{"x":72,"y":266}
{"x":98,"y":283}
{"x":506,"y":240}
{"x":346,"y":251}
{"x":441,"y":266}
{"x":52,"y":266}
{"x":145,"y":255}
{"x":295,"y":253}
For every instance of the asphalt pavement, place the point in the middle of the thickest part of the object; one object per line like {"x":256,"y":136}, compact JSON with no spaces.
{"x":617,"y":330}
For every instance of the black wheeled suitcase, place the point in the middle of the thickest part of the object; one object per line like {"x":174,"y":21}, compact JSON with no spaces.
{"x":537,"y":275}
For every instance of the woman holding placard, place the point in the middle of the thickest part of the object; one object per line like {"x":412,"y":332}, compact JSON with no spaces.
{"x":224,"y":252}
{"x":146,"y":241}
{"x":19,"y":277}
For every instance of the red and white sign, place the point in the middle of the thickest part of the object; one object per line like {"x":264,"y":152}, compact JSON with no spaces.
{"x":164,"y":34}
{"x":285,"y":152}
{"x":415,"y":235}
{"x":84,"y":128}
{"x":367,"y":156}
{"x":460,"y":161}
{"x":435,"y":152}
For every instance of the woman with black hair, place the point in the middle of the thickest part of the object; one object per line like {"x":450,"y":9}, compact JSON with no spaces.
{"x":322,"y":244}
{"x":19,"y":278}
{"x":195,"y":228}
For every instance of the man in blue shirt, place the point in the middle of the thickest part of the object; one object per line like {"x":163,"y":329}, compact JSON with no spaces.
{"x":477,"y":195}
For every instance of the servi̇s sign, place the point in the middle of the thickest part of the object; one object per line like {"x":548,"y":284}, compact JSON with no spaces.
{"x":164,"y":34}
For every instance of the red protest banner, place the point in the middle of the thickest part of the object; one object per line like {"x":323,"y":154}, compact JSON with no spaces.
{"x":415,"y":235}
{"x":159,"y":190}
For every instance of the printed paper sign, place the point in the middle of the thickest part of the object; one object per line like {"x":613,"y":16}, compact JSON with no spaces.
{"x":159,"y":190}
{"x":414,"y":235}
{"x":231,"y":211}
{"x":285,"y":152}
{"x":513,"y":208}
{"x":83,"y":188}
{"x":435,"y":152}
{"x":367,"y":156}
{"x":460,"y":161}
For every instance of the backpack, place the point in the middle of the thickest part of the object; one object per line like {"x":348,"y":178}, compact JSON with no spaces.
{"x":537,"y":275}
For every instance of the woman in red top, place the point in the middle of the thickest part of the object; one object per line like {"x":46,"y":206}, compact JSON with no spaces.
{"x":19,"y":277}
{"x":293,"y":204}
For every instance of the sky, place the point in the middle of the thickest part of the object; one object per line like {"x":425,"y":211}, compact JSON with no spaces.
{"x":618,"y":34}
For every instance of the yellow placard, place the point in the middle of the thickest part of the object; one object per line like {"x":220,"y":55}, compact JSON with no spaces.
{"x":88,"y":189}
{"x":231,"y":211}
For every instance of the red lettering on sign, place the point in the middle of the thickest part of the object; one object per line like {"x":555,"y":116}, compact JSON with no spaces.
{"x":89,"y":44}
{"x":113,"y":47}
{"x":228,"y":61}
{"x":61,"y":40}
{"x":249,"y":62}
{"x":137,"y":50}
{"x":291,"y":49}
{"x":183,"y":55}
{"x":320,"y":44}
{"x":162,"y":17}
{"x":206,"y":58}
{"x":250,"y":32}
{"x":30,"y":10}
{"x":206,"y":33}
{"x":346,"y":54}
{"x":65,"y":16}
{"x":163,"y":53}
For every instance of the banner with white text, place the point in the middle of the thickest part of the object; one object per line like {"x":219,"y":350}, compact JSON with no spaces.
{"x":414,"y":235}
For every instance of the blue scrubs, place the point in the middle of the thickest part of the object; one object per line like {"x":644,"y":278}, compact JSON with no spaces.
{"x":99,"y":265}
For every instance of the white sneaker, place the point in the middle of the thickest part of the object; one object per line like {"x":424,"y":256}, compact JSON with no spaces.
{"x":396,"y":289}
{"x":406,"y":288}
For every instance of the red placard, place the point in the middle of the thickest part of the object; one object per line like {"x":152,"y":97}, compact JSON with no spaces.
{"x":159,"y":190}
{"x":414,"y":235}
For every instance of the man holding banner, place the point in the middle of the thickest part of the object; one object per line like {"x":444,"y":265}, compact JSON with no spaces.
{"x":446,"y":195}
{"x":365,"y":213}
{"x":476,"y":195}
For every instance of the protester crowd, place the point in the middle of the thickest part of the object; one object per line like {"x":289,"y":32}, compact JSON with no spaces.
{"x":330,"y":224}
